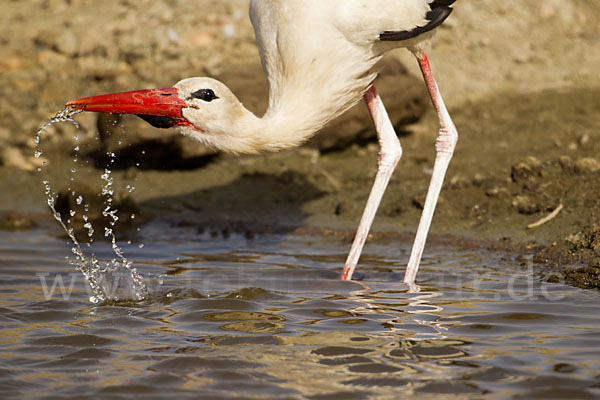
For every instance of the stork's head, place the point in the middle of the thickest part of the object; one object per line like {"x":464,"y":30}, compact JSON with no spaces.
{"x":203,"y":108}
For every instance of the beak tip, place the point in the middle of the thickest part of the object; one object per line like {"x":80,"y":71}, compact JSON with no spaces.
{"x":76,"y":104}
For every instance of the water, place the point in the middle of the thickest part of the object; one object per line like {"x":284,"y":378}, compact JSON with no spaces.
{"x":266,"y":317}
{"x":113,"y":279}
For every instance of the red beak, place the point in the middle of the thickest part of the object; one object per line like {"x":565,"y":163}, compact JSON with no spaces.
{"x":162,"y":106}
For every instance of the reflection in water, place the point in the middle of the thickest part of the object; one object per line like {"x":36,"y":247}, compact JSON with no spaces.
{"x":268,"y":318}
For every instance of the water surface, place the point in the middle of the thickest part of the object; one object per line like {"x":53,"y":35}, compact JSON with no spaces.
{"x":233,"y":316}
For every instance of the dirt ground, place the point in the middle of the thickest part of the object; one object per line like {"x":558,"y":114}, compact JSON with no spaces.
{"x":521,"y":82}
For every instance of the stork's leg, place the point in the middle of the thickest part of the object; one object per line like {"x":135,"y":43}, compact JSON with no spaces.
{"x":444,"y":146}
{"x":389,"y":155}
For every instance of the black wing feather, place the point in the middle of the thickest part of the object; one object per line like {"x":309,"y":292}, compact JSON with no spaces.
{"x":440,"y":10}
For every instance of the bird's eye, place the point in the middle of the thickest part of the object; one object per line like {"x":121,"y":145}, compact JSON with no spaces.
{"x":205,"y":95}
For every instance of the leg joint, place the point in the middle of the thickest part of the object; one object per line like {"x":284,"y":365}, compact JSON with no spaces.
{"x":390,"y":154}
{"x":446,"y":140}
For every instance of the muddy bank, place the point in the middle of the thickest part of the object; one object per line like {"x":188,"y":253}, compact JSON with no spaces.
{"x":528,"y":117}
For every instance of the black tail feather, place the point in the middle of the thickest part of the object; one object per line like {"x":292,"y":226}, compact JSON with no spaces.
{"x":440,"y":10}
{"x":441,"y":3}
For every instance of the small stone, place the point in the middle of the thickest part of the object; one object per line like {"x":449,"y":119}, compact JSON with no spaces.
{"x":526,"y":169}
{"x":459,"y":181}
{"x":565,"y":162}
{"x":67,"y":43}
{"x":574,"y":239}
{"x":587,"y":165}
{"x":496,"y":191}
{"x":525,"y":205}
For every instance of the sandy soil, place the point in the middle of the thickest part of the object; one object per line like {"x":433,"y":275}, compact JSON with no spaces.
{"x":520,"y":80}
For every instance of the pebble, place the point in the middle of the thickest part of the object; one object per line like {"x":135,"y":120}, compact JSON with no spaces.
{"x":587,"y":165}
{"x":526,"y":169}
{"x":497,"y":191}
{"x":565,"y":162}
{"x":67,"y":43}
{"x":460,"y":181}
{"x":525,"y":205}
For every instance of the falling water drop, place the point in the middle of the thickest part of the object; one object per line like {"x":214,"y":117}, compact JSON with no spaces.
{"x":108,"y":280}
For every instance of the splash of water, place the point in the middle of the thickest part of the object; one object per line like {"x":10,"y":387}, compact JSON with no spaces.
{"x":116,"y":279}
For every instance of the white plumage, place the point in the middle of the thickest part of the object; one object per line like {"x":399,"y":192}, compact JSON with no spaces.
{"x":319,"y":56}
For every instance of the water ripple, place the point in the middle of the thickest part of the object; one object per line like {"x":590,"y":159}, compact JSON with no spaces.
{"x":269,"y":319}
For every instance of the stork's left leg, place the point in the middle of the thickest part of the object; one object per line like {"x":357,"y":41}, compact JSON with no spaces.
{"x":389,"y":155}
{"x":444,"y":146}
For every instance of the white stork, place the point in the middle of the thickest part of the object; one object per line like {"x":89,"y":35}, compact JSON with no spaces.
{"x":320,"y":57}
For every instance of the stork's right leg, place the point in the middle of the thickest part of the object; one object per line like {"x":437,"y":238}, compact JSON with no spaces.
{"x":445,"y":145}
{"x":389,"y":155}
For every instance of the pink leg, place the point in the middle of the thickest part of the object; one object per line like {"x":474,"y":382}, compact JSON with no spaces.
{"x":444,"y":146}
{"x":390,"y":153}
